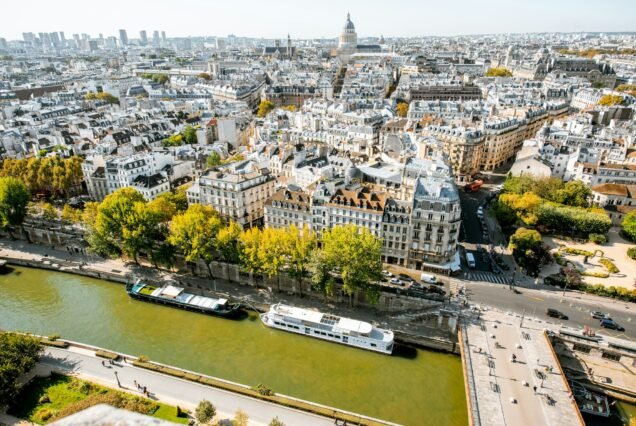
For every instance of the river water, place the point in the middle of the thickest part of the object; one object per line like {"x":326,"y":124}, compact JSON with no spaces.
{"x":423,"y":388}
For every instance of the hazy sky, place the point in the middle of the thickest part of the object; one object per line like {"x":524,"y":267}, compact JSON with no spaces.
{"x":317,"y":18}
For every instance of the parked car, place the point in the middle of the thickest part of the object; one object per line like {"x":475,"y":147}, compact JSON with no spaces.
{"x":396,"y":281}
{"x":416,"y":286}
{"x":387,"y":273}
{"x":470,"y":260}
{"x":611,"y":324}
{"x":556,"y":314}
{"x":435,"y":290}
{"x":428,"y":278}
{"x":600,"y":315}
{"x":405,"y":278}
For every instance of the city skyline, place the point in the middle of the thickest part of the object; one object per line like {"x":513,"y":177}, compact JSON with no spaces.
{"x":422,"y":19}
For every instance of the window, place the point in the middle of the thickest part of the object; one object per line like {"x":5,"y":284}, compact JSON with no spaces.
{"x":611,"y":356}
{"x":581,"y":348}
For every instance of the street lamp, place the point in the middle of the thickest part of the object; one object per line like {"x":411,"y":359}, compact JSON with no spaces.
{"x":117,"y":378}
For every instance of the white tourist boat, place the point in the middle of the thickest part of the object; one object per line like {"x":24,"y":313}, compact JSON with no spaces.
{"x":329,"y":327}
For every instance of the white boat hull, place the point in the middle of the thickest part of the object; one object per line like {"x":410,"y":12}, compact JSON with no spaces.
{"x":317,"y":333}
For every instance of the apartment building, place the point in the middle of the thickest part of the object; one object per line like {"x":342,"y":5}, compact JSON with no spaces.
{"x":238,"y":191}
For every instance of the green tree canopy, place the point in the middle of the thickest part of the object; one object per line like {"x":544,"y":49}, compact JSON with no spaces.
{"x":14,"y":199}
{"x":610,"y":100}
{"x":356,"y":253}
{"x":528,"y":249}
{"x":194,"y":232}
{"x":498,"y":72}
{"x":205,"y":411}
{"x":18,"y":355}
{"x":264,"y":108}
{"x":213,"y":160}
{"x":629,"y":225}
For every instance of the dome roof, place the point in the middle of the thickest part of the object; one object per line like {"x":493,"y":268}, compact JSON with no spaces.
{"x":349,"y":25}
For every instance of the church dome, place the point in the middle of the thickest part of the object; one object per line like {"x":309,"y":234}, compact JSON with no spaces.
{"x":348,"y":24}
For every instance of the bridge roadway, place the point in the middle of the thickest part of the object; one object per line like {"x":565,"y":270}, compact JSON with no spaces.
{"x":531,"y":390}
{"x":172,"y":390}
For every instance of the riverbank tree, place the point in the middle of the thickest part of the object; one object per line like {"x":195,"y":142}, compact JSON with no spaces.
{"x":14,"y":199}
{"x":18,"y":355}
{"x":529,"y":250}
{"x":51,"y":176}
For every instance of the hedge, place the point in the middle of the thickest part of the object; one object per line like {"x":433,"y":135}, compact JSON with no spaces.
{"x":577,"y":220}
{"x":631,"y":252}
{"x":577,"y":252}
{"x":614,"y":292}
{"x":105,"y":354}
{"x":54,"y":343}
{"x":609,"y":265}
{"x":594,"y":274}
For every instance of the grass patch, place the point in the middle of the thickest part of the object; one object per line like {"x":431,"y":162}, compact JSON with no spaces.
{"x":47,"y":399}
{"x":577,"y":252}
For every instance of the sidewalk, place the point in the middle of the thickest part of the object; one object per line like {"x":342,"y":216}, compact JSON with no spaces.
{"x":172,"y":390}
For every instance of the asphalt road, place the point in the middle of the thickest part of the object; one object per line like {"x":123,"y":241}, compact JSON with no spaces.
{"x":535,"y":303}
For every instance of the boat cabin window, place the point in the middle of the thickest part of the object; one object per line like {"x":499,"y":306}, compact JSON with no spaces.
{"x":611,"y":356}
{"x":582,"y":348}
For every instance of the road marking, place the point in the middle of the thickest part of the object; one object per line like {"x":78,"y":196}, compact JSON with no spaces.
{"x":535,"y":298}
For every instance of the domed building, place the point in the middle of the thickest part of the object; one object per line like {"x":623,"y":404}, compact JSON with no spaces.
{"x":348,"y":42}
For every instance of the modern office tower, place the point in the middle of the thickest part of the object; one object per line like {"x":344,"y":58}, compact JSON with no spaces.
{"x":163,"y":37}
{"x":55,"y":40}
{"x":143,"y":37}
{"x":155,"y":38}
{"x":62,"y":38}
{"x":123,"y":37}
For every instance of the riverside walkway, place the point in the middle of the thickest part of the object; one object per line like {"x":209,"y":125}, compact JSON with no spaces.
{"x":532,"y":390}
{"x":84,"y":364}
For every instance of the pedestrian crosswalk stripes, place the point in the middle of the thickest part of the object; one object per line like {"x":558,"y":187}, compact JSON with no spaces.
{"x":487,"y":277}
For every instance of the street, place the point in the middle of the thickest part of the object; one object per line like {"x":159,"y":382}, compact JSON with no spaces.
{"x":534,"y":303}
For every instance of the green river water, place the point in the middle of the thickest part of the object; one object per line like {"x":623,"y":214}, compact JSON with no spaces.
{"x":425,"y":388}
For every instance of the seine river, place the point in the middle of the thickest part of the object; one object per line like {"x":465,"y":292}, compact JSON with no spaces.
{"x":425,"y":388}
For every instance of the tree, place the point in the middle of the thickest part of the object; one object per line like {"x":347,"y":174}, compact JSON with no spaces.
{"x":498,"y":72}
{"x":402,"y":109}
{"x":194,"y":233}
{"x":205,"y":411}
{"x":205,"y":76}
{"x":356,"y":252}
{"x":264,"y":108}
{"x":49,"y":212}
{"x":273,"y":251}
{"x":611,"y":100}
{"x":115,"y":226}
{"x":301,"y":247}
{"x":240,"y":419}
{"x":178,"y":199}
{"x":18,"y":355}
{"x":629,"y":225}
{"x":250,"y":246}
{"x":69,"y":214}
{"x":228,"y":244}
{"x":174,"y":140}
{"x":575,"y":193}
{"x":528,"y":249}
{"x":189,"y":134}
{"x":276,"y":422}
{"x":321,"y":276}
{"x":14,"y":198}
{"x":213,"y":160}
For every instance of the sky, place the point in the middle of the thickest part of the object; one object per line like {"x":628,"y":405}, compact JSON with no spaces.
{"x":315,"y":18}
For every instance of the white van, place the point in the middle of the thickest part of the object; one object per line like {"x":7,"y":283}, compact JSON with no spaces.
{"x":428,"y":278}
{"x":470,"y":260}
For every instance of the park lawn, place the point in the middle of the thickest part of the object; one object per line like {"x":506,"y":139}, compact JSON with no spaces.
{"x":68,"y":395}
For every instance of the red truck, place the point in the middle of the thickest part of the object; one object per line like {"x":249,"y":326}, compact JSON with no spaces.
{"x":474,"y":185}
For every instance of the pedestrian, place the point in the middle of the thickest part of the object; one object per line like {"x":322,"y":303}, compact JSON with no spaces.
{"x":145,"y":390}
{"x":534,"y":388}
{"x":103,"y":364}
{"x":136,"y":384}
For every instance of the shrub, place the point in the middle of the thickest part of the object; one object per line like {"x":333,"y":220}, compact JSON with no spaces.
{"x":577,"y":252}
{"x":609,"y":265}
{"x":573,"y":220}
{"x":598,"y":238}
{"x":143,"y":358}
{"x":44,"y":415}
{"x":263,"y":390}
{"x":54,"y":337}
{"x":595,"y":274}
{"x":205,"y":411}
{"x":44,"y":399}
{"x":631,"y":252}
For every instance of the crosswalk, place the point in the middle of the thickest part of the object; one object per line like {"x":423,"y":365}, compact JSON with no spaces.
{"x":487,"y":277}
